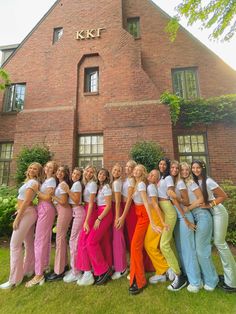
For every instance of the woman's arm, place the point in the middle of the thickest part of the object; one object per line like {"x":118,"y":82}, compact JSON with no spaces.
{"x":62,"y":200}
{"x":104,"y":212}
{"x":196,"y":203}
{"x":117,"y":207}
{"x":121,"y":220}
{"x":159,"y":212}
{"x":220,"y":196}
{"x":89,"y":212}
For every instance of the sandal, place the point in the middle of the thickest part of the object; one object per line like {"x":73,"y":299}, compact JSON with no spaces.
{"x":35,"y":281}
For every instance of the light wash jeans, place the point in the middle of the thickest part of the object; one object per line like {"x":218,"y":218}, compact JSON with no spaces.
{"x":220,"y":221}
{"x":185,"y":245}
{"x":203,"y":235}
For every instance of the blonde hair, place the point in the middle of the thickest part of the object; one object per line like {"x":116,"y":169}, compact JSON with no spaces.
{"x":121,"y":169}
{"x":94,"y":178}
{"x":144,"y":173}
{"x":54,"y":166}
{"x":177,"y":178}
{"x":189,"y":180}
{"x":40,"y":171}
{"x":132,"y":163}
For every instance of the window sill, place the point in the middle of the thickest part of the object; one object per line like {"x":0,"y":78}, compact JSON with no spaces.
{"x":10,"y":113}
{"x":91,"y":93}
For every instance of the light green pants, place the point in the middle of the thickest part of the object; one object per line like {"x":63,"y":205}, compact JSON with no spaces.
{"x":166,"y":243}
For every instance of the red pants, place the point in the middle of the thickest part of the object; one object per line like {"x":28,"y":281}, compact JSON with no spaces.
{"x":136,"y":261}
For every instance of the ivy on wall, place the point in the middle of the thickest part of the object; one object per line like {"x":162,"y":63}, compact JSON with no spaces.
{"x":206,"y":111}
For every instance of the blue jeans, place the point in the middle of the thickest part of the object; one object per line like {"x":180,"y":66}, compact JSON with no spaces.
{"x":185,"y":245}
{"x":203,"y":235}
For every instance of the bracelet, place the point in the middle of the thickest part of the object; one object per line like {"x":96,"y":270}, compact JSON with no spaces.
{"x":213,"y":203}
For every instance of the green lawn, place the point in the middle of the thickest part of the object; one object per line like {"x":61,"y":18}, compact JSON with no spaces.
{"x":59,"y":298}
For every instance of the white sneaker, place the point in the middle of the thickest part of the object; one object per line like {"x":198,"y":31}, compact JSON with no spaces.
{"x":9,"y":285}
{"x":86,"y":280}
{"x":157,"y":278}
{"x":208,"y":288}
{"x":118,"y":275}
{"x":70,"y":277}
{"x":170,"y":274}
{"x":192,"y":288}
{"x":128,"y":277}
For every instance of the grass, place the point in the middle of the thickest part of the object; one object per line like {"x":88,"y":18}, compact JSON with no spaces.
{"x":58,"y":297}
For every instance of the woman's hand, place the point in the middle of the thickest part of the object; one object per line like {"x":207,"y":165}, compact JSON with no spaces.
{"x":156,"y":228}
{"x":166,"y":227}
{"x":65,"y":187}
{"x":186,"y":209}
{"x":16,"y":222}
{"x":86,"y":227}
{"x":189,"y":224}
{"x":96,"y":224}
{"x":35,"y":187}
{"x":120,"y":222}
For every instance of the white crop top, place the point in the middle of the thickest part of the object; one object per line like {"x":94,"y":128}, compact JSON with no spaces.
{"x":141,"y":186}
{"x":90,"y":188}
{"x":24,"y":187}
{"x":151,"y":192}
{"x":76,"y":187}
{"x":191,"y":188}
{"x":211,"y":185}
{"x":102,"y":193}
{"x":48,"y":183}
{"x":179,"y":187}
{"x":126,"y":184}
{"x":163,"y":186}
{"x":116,"y":188}
{"x":58,"y":192}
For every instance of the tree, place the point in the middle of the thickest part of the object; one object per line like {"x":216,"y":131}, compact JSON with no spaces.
{"x":220,"y":15}
{"x":4,"y":79}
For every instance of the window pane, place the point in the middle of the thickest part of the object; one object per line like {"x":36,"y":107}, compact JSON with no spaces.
{"x":14,"y":97}
{"x":185,"y":83}
{"x":91,"y":80}
{"x":133,"y":27}
{"x":90,"y":152}
{"x":57,"y":34}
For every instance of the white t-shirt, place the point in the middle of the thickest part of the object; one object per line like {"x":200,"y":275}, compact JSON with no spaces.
{"x":76,"y":187}
{"x":58,"y":192}
{"x":48,"y":183}
{"x":141,"y":186}
{"x":129,"y":182}
{"x":191,"y":188}
{"x":102,"y":193}
{"x":211,"y":185}
{"x":24,"y":187}
{"x":163,"y":186}
{"x":90,"y":188}
{"x":151,"y":192}
{"x":179,"y":187}
{"x":116,"y":187}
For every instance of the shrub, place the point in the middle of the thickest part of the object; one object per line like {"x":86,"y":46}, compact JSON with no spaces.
{"x":8,"y":203}
{"x":146,"y":153}
{"x":28,"y":155}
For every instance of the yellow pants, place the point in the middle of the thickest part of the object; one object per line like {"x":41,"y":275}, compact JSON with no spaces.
{"x":152,"y":246}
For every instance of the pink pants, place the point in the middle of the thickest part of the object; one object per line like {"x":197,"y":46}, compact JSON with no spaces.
{"x":82,"y":259}
{"x":119,"y":246}
{"x":20,"y":266}
{"x":64,"y":214}
{"x":43,"y":233}
{"x":99,"y":247}
{"x":79,"y":216}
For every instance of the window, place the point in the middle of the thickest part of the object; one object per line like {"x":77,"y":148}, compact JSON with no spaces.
{"x":91,"y":76}
{"x":133,"y":26}
{"x":192,"y":147}
{"x":14,"y":98}
{"x":185,"y":83}
{"x":90,"y":150}
{"x":57,"y":34}
{"x":6,"y":151}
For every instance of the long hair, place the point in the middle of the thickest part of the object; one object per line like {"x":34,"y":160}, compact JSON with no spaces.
{"x":40,"y":171}
{"x":204,"y":178}
{"x":167,"y":171}
{"x":107,"y":180}
{"x":66,"y":178}
{"x":94,"y":178}
{"x":118,"y":166}
{"x":177,"y":177}
{"x":144,"y":173}
{"x":189,"y":179}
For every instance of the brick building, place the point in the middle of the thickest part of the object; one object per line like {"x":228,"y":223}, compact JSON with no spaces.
{"x":87,"y":80}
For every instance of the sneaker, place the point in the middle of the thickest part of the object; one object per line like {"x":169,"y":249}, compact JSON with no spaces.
{"x":157,"y":278}
{"x":170,"y":274}
{"x":86,"y":280}
{"x":9,"y":285}
{"x":208,"y":288}
{"x":192,"y":288}
{"x":179,"y":282}
{"x":128,"y":277}
{"x":70,"y":277}
{"x":118,"y":275}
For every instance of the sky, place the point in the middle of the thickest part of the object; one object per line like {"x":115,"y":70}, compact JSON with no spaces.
{"x":18,"y":17}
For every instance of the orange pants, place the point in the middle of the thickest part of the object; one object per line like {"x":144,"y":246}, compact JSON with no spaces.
{"x":152,"y":246}
{"x":136,"y":261}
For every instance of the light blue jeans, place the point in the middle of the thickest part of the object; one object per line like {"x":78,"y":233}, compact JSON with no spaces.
{"x":203,"y":235}
{"x":220,"y":221}
{"x":185,"y":245}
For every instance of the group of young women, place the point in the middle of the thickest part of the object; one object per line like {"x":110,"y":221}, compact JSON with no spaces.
{"x":165,"y":219}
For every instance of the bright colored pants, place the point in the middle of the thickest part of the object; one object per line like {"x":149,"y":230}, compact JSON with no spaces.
{"x":99,"y":246}
{"x":130,"y":224}
{"x":166,"y":243}
{"x":137,"y":271}
{"x":152,"y":246}
{"x":64,"y":216}
{"x":119,"y":246}
{"x":82,"y":259}
{"x":220,"y":221}
{"x":43,"y":233}
{"x":185,"y":244}
{"x":78,"y":221}
{"x":20,"y":266}
{"x":203,"y":235}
